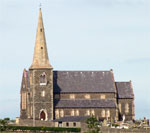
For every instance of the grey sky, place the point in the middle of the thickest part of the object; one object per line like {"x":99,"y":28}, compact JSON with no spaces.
{"x":81,"y":35}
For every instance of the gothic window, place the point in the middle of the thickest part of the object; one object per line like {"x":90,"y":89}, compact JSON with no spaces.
{"x":42,"y":115}
{"x":23,"y":98}
{"x":87,"y":96}
{"x":102,"y":96}
{"x":72,"y":113}
{"x":43,"y":79}
{"x":108,"y":113}
{"x":92,"y":112}
{"x":56,"y":114}
{"x":77,"y":112}
{"x":67,"y":124}
{"x":88,"y":112}
{"x":103,"y":113}
{"x":43,"y":93}
{"x":74,"y":124}
{"x":72,"y":96}
{"x":126,"y":108}
{"x":61,"y":113}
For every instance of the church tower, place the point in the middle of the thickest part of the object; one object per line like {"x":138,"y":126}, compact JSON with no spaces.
{"x":38,"y":96}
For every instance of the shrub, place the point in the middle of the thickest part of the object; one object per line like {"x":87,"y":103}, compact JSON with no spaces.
{"x":3,"y":124}
{"x":93,"y":125}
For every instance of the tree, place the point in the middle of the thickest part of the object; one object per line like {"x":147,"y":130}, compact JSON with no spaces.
{"x":4,"y":124}
{"x":93,"y":125}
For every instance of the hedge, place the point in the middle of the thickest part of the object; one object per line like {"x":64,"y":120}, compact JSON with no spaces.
{"x":43,"y":128}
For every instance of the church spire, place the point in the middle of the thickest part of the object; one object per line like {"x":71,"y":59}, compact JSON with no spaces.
{"x":40,"y":58}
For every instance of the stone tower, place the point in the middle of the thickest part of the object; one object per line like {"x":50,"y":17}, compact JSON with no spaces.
{"x":38,"y":96}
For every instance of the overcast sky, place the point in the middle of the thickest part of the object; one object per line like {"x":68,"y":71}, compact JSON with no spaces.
{"x":80,"y":35}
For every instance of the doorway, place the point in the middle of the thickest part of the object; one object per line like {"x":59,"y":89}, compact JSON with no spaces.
{"x":42,"y":116}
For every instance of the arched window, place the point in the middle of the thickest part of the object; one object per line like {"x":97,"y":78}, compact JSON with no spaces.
{"x":43,"y":93}
{"x":77,"y":112}
{"x":72,"y":96}
{"x":43,"y":79}
{"x":72,"y":113}
{"x":92,"y":112}
{"x":43,"y":115}
{"x":126,"y":108}
{"x":56,"y":114}
{"x":103,"y":113}
{"x":87,"y":96}
{"x":108,"y":113}
{"x":87,"y":112}
{"x":23,"y":100}
{"x":102,"y":96}
{"x":61,"y":113}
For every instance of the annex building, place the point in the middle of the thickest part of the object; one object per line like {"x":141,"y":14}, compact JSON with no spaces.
{"x":49,"y":95}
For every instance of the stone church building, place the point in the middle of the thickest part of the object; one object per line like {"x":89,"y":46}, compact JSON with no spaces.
{"x":49,"y":95}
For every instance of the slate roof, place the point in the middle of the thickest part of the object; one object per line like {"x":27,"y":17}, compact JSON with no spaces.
{"x":72,"y":119}
{"x":102,"y":103}
{"x":83,"y":81}
{"x":124,"y":90}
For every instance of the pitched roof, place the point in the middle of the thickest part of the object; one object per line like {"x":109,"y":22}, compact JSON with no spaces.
{"x":83,"y":81}
{"x":72,"y":119}
{"x":124,"y":90}
{"x":103,"y":103}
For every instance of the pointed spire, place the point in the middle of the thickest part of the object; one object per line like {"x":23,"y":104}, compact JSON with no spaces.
{"x":40,"y":58}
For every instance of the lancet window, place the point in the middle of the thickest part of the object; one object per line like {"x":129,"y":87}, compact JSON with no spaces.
{"x":126,"y":108}
{"x":23,"y":100}
{"x":108,"y":113}
{"x":57,"y":114}
{"x":43,"y":79}
{"x":103,"y":113}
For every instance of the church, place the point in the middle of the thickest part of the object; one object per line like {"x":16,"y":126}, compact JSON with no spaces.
{"x":49,"y":95}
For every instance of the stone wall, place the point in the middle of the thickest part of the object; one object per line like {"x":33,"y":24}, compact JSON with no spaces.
{"x":40,"y":102}
{"x":68,"y":124}
{"x":82,"y":95}
{"x":97,"y":111}
{"x":29,"y":122}
{"x":130,"y":115}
